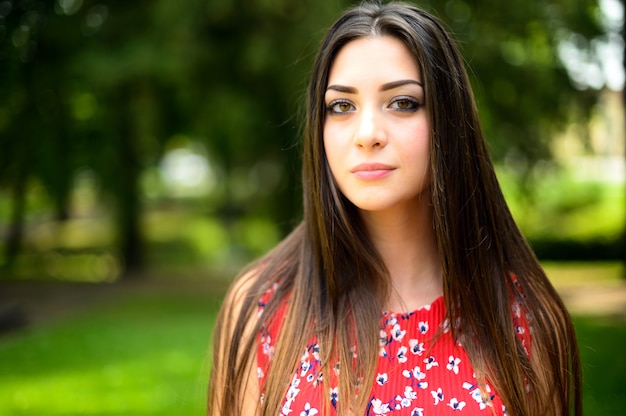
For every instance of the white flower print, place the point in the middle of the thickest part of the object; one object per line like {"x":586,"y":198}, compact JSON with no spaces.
{"x":337,"y":368}
{"x":379,"y":407}
{"x":437,"y":395}
{"x":418,"y":411}
{"x":308,"y":410}
{"x":446,"y":326}
{"x":397,"y":333}
{"x":402,"y":358}
{"x":409,"y":393}
{"x":316,"y":351}
{"x":517,"y":311}
{"x":292,"y":392}
{"x":259,"y":372}
{"x":431,"y":362}
{"x":416,"y":346}
{"x":304,"y":367}
{"x":482,"y":400}
{"x":382,"y":338}
{"x":404,"y":402}
{"x":286,"y":407}
{"x":423,"y":327}
{"x":382,"y":343}
{"x":334,"y":396}
{"x":381,"y":379}
{"x":453,"y":364}
{"x":416,"y":373}
{"x":266,"y":343}
{"x":319,"y":379}
{"x":455,"y":404}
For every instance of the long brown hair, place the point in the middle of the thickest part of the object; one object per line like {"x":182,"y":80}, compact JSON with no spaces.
{"x":331,"y":276}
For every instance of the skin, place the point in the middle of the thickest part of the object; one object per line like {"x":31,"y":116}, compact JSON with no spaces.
{"x":376,"y":139}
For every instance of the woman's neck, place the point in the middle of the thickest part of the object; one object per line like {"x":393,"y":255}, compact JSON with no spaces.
{"x":406,"y":241}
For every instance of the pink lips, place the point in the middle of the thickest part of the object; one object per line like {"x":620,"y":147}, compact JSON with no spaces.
{"x":371,"y":171}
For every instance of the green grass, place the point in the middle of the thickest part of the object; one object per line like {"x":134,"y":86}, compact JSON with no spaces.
{"x":146,"y":355}
{"x":601,"y":343}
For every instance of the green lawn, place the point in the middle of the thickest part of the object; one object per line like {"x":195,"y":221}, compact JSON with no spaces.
{"x":147,"y":356}
{"x":602,"y":345}
{"x":142,"y":356}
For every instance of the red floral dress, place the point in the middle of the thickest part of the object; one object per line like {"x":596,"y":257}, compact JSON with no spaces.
{"x":415,"y":376}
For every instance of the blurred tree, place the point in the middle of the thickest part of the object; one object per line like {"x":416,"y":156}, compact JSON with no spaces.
{"x":106,"y":84}
{"x":35,"y":135}
{"x":523,"y":90}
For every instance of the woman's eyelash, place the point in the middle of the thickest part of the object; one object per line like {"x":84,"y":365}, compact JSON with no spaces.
{"x":402,"y":104}
{"x":405,"y":103}
{"x":333,"y":106}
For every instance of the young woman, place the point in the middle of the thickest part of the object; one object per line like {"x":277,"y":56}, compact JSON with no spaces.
{"x":407,"y":289}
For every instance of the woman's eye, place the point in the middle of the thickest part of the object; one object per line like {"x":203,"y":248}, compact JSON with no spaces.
{"x":340,"y":107}
{"x":405,"y":104}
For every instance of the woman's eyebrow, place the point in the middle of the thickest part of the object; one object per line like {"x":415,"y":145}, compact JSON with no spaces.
{"x":385,"y":87}
{"x":342,"y":88}
{"x":396,"y":84}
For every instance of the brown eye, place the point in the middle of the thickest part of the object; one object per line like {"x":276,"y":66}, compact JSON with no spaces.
{"x":343,"y":107}
{"x":405,"y":104}
{"x":340,"y":107}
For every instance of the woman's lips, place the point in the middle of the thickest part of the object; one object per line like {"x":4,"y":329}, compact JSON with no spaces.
{"x":371,"y":171}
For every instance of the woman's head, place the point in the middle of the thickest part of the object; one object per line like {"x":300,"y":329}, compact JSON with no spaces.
{"x":376,"y":132}
{"x":455,"y":138}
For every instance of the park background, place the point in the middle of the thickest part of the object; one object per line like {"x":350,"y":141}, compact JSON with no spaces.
{"x":150,"y":149}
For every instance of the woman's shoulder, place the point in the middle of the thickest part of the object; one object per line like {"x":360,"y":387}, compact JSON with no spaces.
{"x":242,"y":286}
{"x":254,"y":288}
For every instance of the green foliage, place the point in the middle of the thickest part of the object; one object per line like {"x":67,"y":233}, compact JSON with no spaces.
{"x":557,"y":206}
{"x":108,"y":87}
{"x":565,"y":218}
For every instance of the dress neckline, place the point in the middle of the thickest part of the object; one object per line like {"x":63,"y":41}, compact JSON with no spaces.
{"x":427,"y":307}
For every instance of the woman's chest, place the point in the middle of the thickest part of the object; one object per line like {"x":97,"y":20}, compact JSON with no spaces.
{"x":421,"y":370}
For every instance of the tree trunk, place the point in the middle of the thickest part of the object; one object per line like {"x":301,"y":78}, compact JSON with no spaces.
{"x":127,"y":192}
{"x":16,"y":226}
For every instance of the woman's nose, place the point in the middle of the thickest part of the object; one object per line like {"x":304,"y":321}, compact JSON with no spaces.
{"x":370,"y":131}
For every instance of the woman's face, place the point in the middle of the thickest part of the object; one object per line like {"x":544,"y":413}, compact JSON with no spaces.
{"x":376,"y":132}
